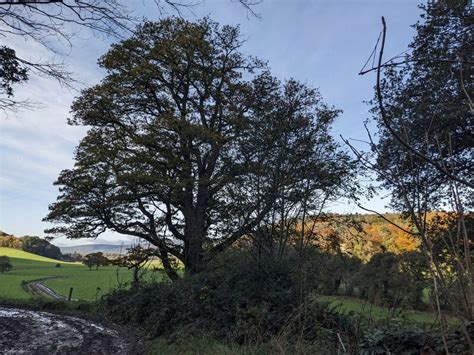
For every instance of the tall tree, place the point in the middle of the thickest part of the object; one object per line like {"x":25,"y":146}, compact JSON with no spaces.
{"x":426,"y":127}
{"x":424,"y":111}
{"x":189,"y":146}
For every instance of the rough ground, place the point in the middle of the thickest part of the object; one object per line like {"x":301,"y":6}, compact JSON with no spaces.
{"x":34,"y":332}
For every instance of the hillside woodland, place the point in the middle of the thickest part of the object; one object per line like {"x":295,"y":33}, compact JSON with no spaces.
{"x":31,"y":244}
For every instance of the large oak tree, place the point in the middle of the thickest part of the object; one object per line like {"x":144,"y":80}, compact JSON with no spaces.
{"x":192,"y":144}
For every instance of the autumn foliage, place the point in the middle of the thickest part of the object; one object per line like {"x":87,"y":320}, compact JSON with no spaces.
{"x":361,"y":236}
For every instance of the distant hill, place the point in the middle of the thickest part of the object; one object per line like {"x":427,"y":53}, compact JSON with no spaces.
{"x":42,"y":247}
{"x":94,"y":248}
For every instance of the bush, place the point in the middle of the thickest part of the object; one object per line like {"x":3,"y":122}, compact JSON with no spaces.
{"x":236,"y":301}
{"x":412,"y":341}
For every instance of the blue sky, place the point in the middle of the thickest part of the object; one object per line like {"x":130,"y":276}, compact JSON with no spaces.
{"x":323,"y":43}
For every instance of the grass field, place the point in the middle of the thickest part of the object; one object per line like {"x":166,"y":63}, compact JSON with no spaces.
{"x":376,"y":313}
{"x":87,"y":284}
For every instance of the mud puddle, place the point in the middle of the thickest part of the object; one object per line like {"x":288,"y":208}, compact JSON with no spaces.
{"x":34,"y":332}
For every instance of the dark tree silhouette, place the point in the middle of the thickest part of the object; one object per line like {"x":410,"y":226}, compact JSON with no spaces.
{"x":5,"y":264}
{"x":95,"y":259}
{"x":193,"y":144}
{"x":424,"y":111}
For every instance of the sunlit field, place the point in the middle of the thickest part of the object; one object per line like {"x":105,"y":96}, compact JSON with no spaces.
{"x":369,"y":311}
{"x":88,"y":285}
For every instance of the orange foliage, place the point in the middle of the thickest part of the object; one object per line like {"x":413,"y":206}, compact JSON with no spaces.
{"x":359,"y":235}
{"x":9,"y":241}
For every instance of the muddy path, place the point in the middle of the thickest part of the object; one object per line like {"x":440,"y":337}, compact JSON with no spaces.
{"x":34,"y":332}
{"x":40,"y":287}
{"x":37,"y":288}
{"x":32,"y":287}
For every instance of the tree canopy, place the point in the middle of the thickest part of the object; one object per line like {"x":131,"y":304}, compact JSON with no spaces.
{"x":426,"y":133}
{"x":39,"y":246}
{"x":192,"y":144}
{"x":5,"y":264}
{"x":95,"y":259}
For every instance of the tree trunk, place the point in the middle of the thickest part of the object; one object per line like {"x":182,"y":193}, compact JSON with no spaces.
{"x":169,"y":270}
{"x":337,"y":283}
{"x":194,"y":260}
{"x":195,"y":233}
{"x":136,"y":281}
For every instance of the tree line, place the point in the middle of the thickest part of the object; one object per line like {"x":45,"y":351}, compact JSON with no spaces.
{"x":31,"y":244}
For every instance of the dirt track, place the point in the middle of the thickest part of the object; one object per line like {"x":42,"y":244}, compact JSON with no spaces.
{"x":33,"y":332}
{"x":47,"y":291}
{"x":37,"y":288}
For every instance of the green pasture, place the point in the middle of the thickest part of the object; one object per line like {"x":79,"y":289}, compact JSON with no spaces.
{"x":370,"y":311}
{"x":87,"y":284}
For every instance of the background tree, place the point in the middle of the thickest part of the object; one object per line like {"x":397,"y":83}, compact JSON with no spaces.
{"x":95,"y":259}
{"x":385,"y":280}
{"x":88,"y":261}
{"x":5,"y":264}
{"x":189,"y":146}
{"x":75,"y":257}
{"x":10,"y":241}
{"x":423,"y":154}
{"x":136,"y":259}
{"x":39,"y":246}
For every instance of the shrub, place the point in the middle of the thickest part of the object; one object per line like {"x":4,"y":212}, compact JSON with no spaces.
{"x":242,"y":301}
{"x":412,"y":341}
